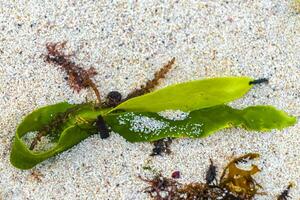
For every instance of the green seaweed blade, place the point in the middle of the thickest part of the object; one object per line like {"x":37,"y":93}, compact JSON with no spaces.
{"x":188,"y":96}
{"x":140,"y":127}
{"x":71,"y":134}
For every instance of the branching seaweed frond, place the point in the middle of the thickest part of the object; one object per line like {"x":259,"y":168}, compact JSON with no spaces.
{"x":78,"y":78}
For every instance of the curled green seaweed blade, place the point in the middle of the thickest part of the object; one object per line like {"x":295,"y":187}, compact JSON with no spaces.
{"x":71,"y":132}
{"x":192,"y":95}
{"x":139,"y":126}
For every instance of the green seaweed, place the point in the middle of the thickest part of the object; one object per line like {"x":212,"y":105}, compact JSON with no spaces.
{"x":70,"y":133}
{"x":68,"y":124}
{"x":192,"y":95}
{"x":141,"y":126}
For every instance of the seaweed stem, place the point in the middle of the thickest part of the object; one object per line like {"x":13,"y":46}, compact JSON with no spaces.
{"x":259,"y":81}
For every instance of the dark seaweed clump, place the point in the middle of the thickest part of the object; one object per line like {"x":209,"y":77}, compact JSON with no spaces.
{"x":234,"y":184}
{"x":285,"y":193}
{"x":161,"y":146}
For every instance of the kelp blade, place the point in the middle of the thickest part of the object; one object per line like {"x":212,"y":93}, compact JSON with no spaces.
{"x":139,"y":126}
{"x":23,"y":158}
{"x":192,"y":95}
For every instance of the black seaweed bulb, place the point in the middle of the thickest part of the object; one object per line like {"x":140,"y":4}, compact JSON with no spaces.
{"x":102,"y":128}
{"x":259,"y":81}
{"x":211,"y":173}
{"x":113,"y":99}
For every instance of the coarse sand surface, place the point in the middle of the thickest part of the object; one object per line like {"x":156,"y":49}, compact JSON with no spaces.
{"x":127,"y":41}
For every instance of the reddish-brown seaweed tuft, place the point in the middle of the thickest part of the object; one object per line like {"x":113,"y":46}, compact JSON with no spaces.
{"x":78,"y":78}
{"x":151,"y":84}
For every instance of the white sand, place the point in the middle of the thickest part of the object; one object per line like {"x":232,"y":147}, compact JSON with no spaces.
{"x":126,"y":42}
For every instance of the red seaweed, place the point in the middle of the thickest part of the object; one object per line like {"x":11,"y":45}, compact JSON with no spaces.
{"x":78,"y":78}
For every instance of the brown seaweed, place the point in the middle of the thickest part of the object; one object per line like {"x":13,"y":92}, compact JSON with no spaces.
{"x":160,"y":187}
{"x":234,"y":184}
{"x":78,"y":78}
{"x":151,"y":84}
{"x":240,"y":181}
